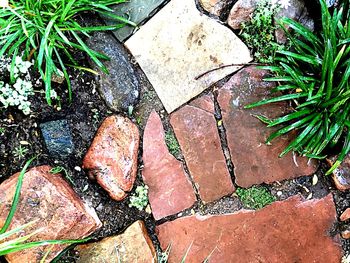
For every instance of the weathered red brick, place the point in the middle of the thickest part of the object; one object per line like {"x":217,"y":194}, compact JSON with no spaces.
{"x":199,"y":139}
{"x":204,"y":102}
{"x":254,"y":161}
{"x":112,"y":156}
{"x":288,"y":231}
{"x":169,"y":189}
{"x":48,"y":200}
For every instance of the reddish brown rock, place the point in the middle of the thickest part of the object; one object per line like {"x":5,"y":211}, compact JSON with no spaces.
{"x":48,"y":200}
{"x":345,"y":215}
{"x":254,"y":161}
{"x":134,"y":245}
{"x":216,"y":7}
{"x":198,"y":137}
{"x":169,"y":189}
{"x":241,"y":12}
{"x":345,"y":234}
{"x":112,"y":156}
{"x":288,"y":231}
{"x":341,"y":175}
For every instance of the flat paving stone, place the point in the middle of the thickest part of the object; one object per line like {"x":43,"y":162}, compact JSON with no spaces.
{"x":170,"y":191}
{"x":172,"y":53}
{"x":134,"y":245}
{"x":48,"y":201}
{"x":136,"y":11}
{"x":254,"y":161}
{"x":199,"y":139}
{"x":204,"y":102}
{"x":288,"y":231}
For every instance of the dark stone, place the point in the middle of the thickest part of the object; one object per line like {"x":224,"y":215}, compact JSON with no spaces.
{"x":136,"y":11}
{"x":120,"y":89}
{"x":58,"y":138}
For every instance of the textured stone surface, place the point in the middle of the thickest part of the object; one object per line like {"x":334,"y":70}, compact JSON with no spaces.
{"x":48,"y":200}
{"x":254,"y":161}
{"x":173,"y":54}
{"x":204,"y":102}
{"x":134,"y":245}
{"x":120,"y":88}
{"x":58,"y":138}
{"x":112,"y":156}
{"x":345,"y":215}
{"x":169,"y":189}
{"x":241,"y":13}
{"x":216,"y":7}
{"x":345,"y":234}
{"x":136,"y":11}
{"x":341,"y":175}
{"x":296,"y":11}
{"x":198,"y":137}
{"x":288,"y":231}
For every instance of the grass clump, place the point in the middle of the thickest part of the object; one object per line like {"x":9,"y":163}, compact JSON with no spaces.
{"x":259,"y":32}
{"x":172,"y":143}
{"x":255,"y":197}
{"x":314,"y":78}
{"x":48,"y":32}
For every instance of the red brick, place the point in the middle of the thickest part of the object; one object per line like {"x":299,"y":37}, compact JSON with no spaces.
{"x":288,"y":231}
{"x":254,"y":161}
{"x":199,"y":139}
{"x":204,"y":102}
{"x":170,"y":191}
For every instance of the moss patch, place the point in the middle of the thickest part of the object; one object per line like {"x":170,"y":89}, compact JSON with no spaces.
{"x":171,"y":142}
{"x":255,"y":197}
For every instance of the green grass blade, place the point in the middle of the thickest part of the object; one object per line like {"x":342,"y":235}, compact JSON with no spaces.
{"x":276,"y":99}
{"x":91,"y":54}
{"x":291,"y":127}
{"x":289,"y":117}
{"x":16,"y":196}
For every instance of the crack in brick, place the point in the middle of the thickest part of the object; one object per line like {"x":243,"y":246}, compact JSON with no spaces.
{"x":223,"y":139}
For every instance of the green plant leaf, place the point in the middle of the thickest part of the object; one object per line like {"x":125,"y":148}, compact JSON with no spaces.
{"x":16,"y":196}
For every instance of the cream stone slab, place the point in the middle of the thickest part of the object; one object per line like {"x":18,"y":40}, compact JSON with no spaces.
{"x":178,"y":44}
